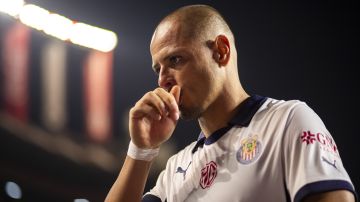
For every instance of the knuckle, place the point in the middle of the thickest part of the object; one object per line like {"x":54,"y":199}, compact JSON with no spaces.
{"x":132,"y":111}
{"x":160,"y":91}
{"x":148,"y":94}
{"x":138,"y":103}
{"x":169,"y":99}
{"x":157,"y":93}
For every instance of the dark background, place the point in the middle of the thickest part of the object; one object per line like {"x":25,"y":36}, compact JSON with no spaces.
{"x":306,"y":50}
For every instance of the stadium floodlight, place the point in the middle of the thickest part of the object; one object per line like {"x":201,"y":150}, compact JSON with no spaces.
{"x":11,"y":7}
{"x":93,"y":37}
{"x":34,"y":16}
{"x":58,"y":26}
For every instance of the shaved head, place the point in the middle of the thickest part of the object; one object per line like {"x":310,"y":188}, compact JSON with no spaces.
{"x":197,"y":22}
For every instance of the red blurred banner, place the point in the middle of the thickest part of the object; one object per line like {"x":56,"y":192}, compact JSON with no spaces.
{"x":98,"y":82}
{"x":16,"y":67}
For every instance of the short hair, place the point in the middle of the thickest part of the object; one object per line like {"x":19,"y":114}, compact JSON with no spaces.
{"x":200,"y":21}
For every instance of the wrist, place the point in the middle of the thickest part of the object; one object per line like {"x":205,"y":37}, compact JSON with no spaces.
{"x":137,"y":153}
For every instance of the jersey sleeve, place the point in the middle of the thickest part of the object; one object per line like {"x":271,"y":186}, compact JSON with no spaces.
{"x":157,"y":193}
{"x":311,"y":158}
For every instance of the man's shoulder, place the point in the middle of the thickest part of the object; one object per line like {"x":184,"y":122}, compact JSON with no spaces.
{"x":279,"y":110}
{"x":276,"y":105}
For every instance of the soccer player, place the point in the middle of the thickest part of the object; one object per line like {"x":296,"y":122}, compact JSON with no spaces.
{"x":251,"y":148}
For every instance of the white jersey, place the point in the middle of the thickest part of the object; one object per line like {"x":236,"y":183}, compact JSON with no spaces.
{"x":272,"y":150}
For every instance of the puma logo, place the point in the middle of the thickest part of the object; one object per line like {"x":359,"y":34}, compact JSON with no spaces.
{"x":183,"y":171}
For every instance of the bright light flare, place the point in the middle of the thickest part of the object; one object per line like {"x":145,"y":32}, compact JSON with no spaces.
{"x":34,"y":16}
{"x":58,"y":26}
{"x":93,"y":37}
{"x":11,"y":7}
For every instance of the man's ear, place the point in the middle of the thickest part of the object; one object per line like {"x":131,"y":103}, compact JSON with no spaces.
{"x":221,"y":50}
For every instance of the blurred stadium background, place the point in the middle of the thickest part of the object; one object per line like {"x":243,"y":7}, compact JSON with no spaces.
{"x":65,"y":90}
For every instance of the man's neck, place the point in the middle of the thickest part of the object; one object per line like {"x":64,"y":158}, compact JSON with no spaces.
{"x":221,"y":111}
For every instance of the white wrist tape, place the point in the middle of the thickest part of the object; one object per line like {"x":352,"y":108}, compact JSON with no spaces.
{"x":142,"y":154}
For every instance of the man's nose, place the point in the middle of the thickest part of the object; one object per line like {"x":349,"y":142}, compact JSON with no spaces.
{"x":165,"y":81}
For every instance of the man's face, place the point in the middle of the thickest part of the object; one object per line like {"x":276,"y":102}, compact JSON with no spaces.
{"x":187,"y":63}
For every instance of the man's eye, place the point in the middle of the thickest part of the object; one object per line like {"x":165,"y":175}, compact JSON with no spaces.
{"x":157,"y":70}
{"x":175,"y":59}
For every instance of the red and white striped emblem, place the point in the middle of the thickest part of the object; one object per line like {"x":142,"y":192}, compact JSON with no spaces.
{"x":208,"y":174}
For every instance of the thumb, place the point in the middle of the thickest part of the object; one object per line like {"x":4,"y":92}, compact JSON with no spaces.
{"x":175,"y":91}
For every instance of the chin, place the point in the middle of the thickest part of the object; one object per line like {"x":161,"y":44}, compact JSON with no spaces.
{"x":190,"y":114}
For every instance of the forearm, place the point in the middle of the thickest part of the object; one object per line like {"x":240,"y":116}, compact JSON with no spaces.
{"x":129,"y":186}
{"x":151,"y":122}
{"x":331,"y":196}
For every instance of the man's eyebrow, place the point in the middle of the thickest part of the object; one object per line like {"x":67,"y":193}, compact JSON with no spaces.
{"x":155,"y":66}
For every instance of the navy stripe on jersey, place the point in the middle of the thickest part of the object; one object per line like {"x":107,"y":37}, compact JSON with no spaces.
{"x":150,"y":198}
{"x":217,"y":135}
{"x":199,"y":143}
{"x":247,"y":110}
{"x":323,"y":186}
{"x":245,"y":113}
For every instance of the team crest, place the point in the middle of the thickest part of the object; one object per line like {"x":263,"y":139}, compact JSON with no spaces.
{"x":249,"y":150}
{"x":208,"y":175}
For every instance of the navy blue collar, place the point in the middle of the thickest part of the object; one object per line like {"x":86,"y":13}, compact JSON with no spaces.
{"x":243,"y":116}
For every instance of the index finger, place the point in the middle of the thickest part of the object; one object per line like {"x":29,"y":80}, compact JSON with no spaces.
{"x":169,"y":100}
